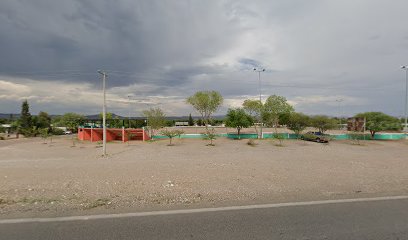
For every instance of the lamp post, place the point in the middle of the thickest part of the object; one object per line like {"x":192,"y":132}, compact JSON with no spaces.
{"x":104,"y":75}
{"x":260,"y":93}
{"x":259,"y":79}
{"x":406,"y":96}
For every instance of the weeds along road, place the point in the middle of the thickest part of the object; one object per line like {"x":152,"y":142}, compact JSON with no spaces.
{"x":378,"y":219}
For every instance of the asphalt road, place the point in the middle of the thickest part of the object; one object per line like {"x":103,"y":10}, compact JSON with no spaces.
{"x":385,"y":219}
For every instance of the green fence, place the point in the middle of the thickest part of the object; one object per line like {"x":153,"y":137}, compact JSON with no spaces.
{"x":377,"y":136}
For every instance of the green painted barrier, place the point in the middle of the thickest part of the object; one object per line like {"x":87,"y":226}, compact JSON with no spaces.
{"x":242,"y":136}
{"x":377,"y":136}
{"x":187,"y":136}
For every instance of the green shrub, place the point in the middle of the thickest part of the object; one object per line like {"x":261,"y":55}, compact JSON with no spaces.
{"x":210,"y":135}
{"x":28,"y":132}
{"x":57,"y":131}
{"x":280,"y":138}
{"x":171,"y":134}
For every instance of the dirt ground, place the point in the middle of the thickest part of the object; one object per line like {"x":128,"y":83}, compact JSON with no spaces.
{"x":56,"y":179}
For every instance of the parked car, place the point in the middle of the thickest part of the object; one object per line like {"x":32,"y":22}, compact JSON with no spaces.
{"x":315,"y":137}
{"x":67,"y":132}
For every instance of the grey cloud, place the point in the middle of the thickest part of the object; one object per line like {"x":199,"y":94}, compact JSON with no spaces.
{"x":332,"y":48}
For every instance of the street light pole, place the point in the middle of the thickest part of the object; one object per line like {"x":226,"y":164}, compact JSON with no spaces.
{"x":259,"y":79}
{"x":260,"y":94}
{"x":104,"y":110}
{"x":406,"y":96}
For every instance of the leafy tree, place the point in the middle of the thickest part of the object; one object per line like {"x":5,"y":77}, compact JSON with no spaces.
{"x":190,"y":120}
{"x":284,"y":118}
{"x":206,"y":103}
{"x":156,"y":119}
{"x":298,"y":122}
{"x":210,"y":135}
{"x":72,"y":121}
{"x":171,"y":134}
{"x":274,"y":107}
{"x":323,"y":123}
{"x":237,"y":118}
{"x":378,"y":121}
{"x":43,"y":121}
{"x":111,"y":121}
{"x":254,"y":108}
{"x":44,"y":134}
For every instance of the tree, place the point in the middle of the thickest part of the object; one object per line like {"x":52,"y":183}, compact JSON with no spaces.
{"x":323,"y":123}
{"x":43,"y":121}
{"x":71,"y":121}
{"x":190,"y":120}
{"x":156,"y":119}
{"x":206,"y":103}
{"x":25,"y":117}
{"x":274,"y":107}
{"x":171,"y":134}
{"x":111,"y":121}
{"x":378,"y":121}
{"x":298,"y":122}
{"x":254,"y":109}
{"x":237,"y":118}
{"x":44,"y":134}
{"x":210,"y":135}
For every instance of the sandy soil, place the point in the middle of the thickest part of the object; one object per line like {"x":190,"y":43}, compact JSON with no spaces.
{"x":55,"y":179}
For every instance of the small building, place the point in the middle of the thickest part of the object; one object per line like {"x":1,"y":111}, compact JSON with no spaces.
{"x":112,"y":134}
{"x":178,"y":124}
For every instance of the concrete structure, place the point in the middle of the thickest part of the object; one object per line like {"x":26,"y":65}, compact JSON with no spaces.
{"x":112,"y":134}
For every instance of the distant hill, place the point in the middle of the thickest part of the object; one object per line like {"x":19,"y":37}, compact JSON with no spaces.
{"x":96,"y":117}
{"x":12,"y":116}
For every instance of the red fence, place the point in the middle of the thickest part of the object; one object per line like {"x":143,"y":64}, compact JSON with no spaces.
{"x":112,"y":134}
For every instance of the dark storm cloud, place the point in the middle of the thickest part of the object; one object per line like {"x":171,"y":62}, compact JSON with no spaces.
{"x":314,"y":52}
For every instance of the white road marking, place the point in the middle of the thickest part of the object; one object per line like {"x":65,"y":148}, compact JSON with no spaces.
{"x":199,"y":210}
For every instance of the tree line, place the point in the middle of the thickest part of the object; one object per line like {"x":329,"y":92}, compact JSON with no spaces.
{"x":274,"y":112}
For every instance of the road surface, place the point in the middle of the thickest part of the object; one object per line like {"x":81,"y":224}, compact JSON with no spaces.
{"x":372,"y":219}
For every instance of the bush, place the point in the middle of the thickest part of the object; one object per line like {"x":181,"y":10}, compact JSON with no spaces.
{"x":280,"y":138}
{"x":57,"y":131}
{"x":171,"y":134}
{"x":210,"y":135}
{"x":251,"y":142}
{"x":28,"y":132}
{"x":355,"y":137}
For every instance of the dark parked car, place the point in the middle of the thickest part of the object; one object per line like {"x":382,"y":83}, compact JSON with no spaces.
{"x":315,"y":137}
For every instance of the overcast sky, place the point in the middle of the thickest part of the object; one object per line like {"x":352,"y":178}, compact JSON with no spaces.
{"x":325,"y":57}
